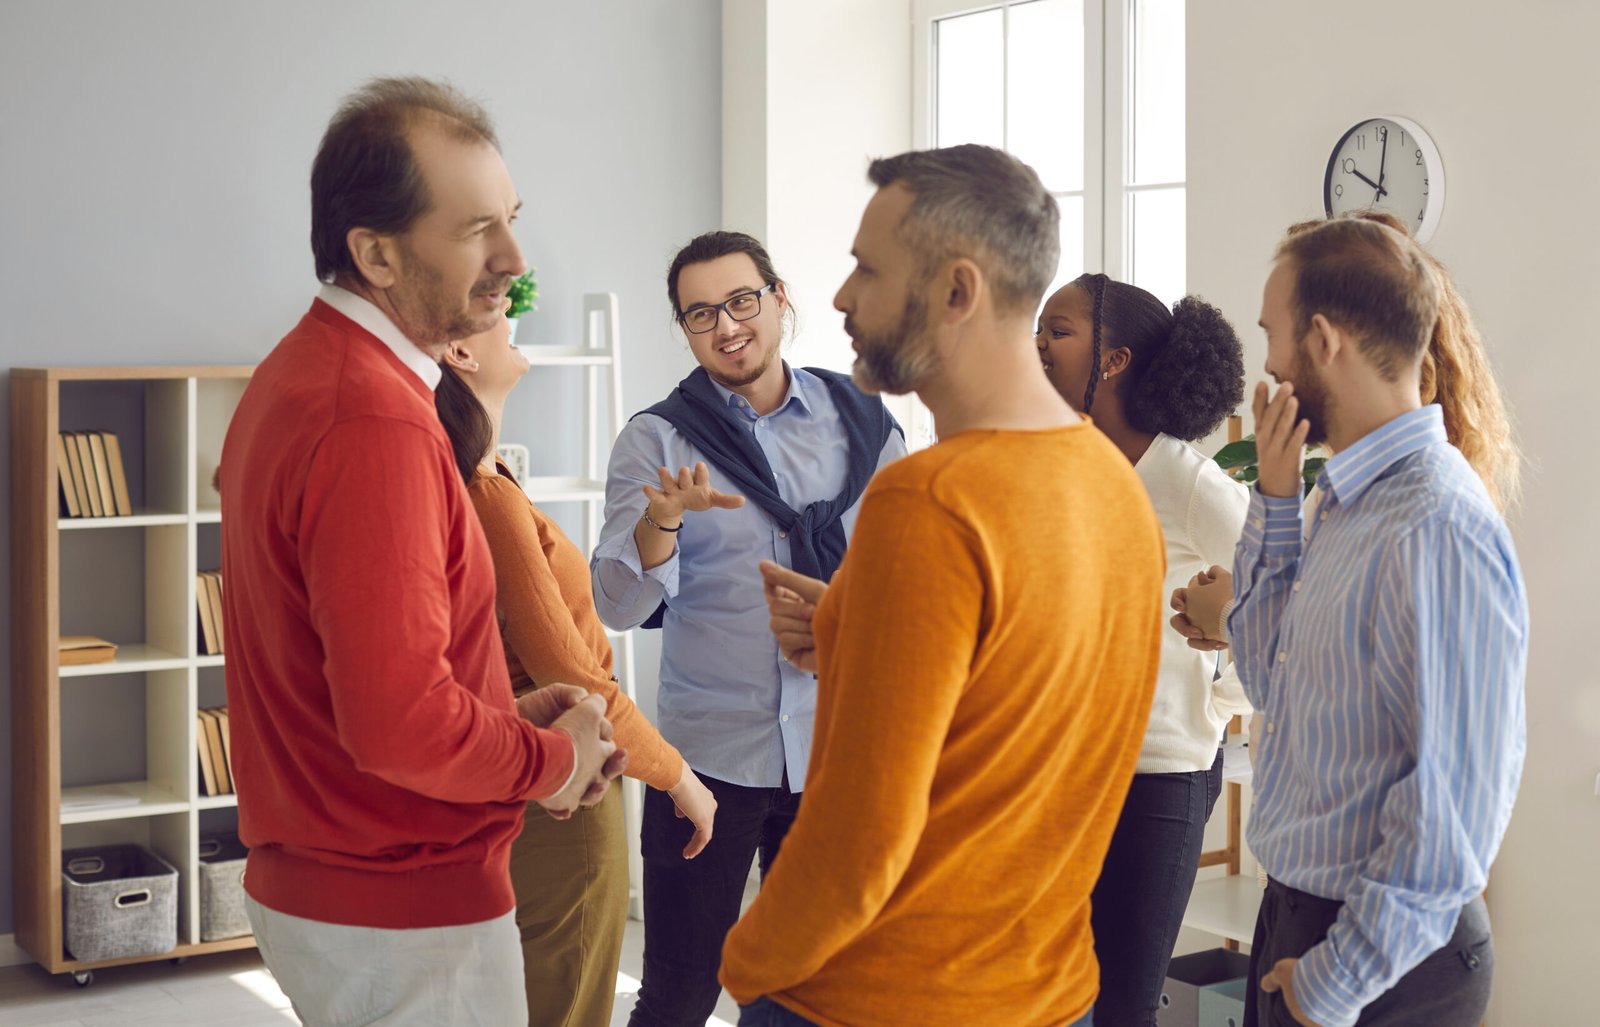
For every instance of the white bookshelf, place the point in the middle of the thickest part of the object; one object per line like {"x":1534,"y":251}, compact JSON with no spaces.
{"x":106,"y":753}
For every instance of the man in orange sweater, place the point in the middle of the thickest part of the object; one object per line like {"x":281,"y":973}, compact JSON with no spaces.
{"x":986,"y":653}
{"x":381,"y":762}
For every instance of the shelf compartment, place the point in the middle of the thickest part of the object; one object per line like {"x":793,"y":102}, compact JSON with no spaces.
{"x":130,"y":659}
{"x":143,"y":519}
{"x":150,"y":800}
{"x":564,"y":489}
{"x":1225,"y":906}
{"x":566,"y":356}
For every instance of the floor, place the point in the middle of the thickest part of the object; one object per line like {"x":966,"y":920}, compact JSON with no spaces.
{"x":231,"y":989}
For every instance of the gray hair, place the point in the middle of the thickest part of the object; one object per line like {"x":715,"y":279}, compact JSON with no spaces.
{"x":981,"y":203}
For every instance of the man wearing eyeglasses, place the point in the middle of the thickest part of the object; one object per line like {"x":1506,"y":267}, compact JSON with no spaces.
{"x":748,"y":459}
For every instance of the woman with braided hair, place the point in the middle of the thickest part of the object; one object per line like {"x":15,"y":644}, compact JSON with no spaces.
{"x":1154,"y":380}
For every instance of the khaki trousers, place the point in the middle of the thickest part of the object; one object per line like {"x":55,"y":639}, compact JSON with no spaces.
{"x":571,"y":879}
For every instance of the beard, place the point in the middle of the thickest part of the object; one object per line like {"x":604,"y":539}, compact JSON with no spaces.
{"x":749,"y":377}
{"x":1312,"y":392}
{"x":898,"y":360}
{"x":431,"y":316}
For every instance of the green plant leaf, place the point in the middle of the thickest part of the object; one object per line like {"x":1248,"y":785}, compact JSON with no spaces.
{"x":1237,"y":454}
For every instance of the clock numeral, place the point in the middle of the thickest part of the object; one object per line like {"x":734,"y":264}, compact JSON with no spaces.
{"x":1349,"y":165}
{"x":1419,"y":158}
{"x":1361,"y":141}
{"x":1383,"y":133}
{"x":1424,"y":187}
{"x":1338,"y":191}
{"x":1402,"y":137}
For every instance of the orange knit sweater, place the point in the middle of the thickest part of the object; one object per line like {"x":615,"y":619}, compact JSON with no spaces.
{"x":987,"y":659}
{"x":551,"y":631}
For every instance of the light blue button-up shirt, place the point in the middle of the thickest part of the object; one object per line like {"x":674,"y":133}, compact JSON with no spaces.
{"x":1392,"y":688}
{"x":732,"y":705}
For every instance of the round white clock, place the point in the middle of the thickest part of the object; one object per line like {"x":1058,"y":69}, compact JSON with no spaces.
{"x":1387,"y":162}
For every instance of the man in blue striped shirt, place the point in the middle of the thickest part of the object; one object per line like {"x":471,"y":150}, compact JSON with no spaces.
{"x":1386,"y":648}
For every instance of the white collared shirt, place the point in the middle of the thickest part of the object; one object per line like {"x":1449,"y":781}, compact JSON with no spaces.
{"x":364,"y":313}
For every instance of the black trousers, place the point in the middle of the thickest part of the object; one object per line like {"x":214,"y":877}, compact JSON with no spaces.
{"x":689,"y":904}
{"x":1144,"y":885}
{"x":1450,"y":988}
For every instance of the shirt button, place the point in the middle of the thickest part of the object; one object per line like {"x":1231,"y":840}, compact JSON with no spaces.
{"x":1296,"y":586}
{"x":783,"y":534}
{"x":1261,"y":522}
{"x":1283,"y":657}
{"x":762,"y":422}
{"x":1271,"y":727}
{"x":1322,"y":516}
{"x":784,"y":718}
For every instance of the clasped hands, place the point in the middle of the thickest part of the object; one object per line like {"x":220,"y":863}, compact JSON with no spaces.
{"x":582,"y":716}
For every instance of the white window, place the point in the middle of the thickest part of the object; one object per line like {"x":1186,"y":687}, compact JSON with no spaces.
{"x":1088,"y":92}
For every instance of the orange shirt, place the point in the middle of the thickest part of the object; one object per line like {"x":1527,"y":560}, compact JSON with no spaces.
{"x":987,"y":658}
{"x":548,"y":620}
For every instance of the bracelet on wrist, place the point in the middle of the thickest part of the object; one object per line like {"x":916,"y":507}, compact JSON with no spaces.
{"x":660,"y":527}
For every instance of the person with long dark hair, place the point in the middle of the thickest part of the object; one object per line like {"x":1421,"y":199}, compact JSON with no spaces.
{"x":1154,"y":380}
{"x":570,"y":875}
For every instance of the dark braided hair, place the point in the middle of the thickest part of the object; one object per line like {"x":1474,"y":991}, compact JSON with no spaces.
{"x":1099,"y":282}
{"x":1186,"y":366}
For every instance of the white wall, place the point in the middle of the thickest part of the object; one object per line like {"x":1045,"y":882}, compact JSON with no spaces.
{"x":154,"y":161}
{"x":1506,"y":93}
{"x":835,"y":76}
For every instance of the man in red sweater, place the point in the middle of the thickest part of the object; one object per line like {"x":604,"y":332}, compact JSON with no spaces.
{"x":381,"y":761}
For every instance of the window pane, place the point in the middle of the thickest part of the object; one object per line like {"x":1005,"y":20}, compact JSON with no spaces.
{"x":1158,"y":107}
{"x":1158,"y":243}
{"x":1045,"y":68}
{"x":970,"y":93}
{"x":1071,"y":265}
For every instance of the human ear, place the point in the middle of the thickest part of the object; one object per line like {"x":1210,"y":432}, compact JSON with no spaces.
{"x":374,"y":255}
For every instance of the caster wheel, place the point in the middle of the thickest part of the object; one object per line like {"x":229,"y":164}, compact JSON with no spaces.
{"x":83,"y":978}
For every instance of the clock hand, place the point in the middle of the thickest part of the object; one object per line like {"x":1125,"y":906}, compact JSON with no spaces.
{"x":1383,"y":161}
{"x":1382,"y":192}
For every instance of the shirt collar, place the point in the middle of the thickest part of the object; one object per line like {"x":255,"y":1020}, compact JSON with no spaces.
{"x":1348,"y":474}
{"x":799,"y":382}
{"x":365,"y":314}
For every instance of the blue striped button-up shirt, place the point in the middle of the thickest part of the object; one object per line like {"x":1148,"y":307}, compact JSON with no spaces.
{"x":1392,"y":687}
{"x":728,"y":700}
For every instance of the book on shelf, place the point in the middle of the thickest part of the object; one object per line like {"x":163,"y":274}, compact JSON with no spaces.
{"x":91,"y":484}
{"x":102,"y":473}
{"x":119,"y":474}
{"x":210,"y":633}
{"x":76,"y":650}
{"x":221,"y":713}
{"x":208,"y":773}
{"x":214,"y":597}
{"x":69,"y":491}
{"x":219,"y":760}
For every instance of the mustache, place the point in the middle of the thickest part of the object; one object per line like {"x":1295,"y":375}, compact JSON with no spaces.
{"x":500,"y":285}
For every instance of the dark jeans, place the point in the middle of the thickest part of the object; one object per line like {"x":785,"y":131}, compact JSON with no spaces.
{"x":1144,"y":885}
{"x":689,"y":904}
{"x":764,"y":1012}
{"x":1448,"y":989}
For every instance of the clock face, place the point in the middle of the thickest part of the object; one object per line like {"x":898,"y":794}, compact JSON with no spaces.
{"x":1388,"y":163}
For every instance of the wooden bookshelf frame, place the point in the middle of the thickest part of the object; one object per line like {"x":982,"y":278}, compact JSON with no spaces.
{"x":185,"y":412}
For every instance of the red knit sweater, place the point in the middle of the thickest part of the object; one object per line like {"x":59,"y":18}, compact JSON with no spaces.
{"x":380,"y":764}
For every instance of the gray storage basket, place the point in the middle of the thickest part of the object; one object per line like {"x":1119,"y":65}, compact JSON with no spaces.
{"x":119,"y":901}
{"x":222,"y":912}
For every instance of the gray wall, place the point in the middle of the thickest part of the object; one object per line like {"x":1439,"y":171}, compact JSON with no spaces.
{"x":154,"y":159}
{"x":1502,"y":92}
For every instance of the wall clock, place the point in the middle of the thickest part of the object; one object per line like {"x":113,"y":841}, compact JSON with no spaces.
{"x":1387,"y":162}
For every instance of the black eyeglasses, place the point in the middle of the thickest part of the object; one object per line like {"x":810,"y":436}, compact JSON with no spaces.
{"x":742,"y":307}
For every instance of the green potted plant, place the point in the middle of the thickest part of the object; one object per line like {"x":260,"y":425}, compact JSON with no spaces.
{"x":523,"y":292}
{"x":1239,"y":460}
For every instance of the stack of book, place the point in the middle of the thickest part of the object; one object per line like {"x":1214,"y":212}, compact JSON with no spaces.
{"x":93,"y":480}
{"x":76,"y":650}
{"x":216,"y":752}
{"x":208,"y":599}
